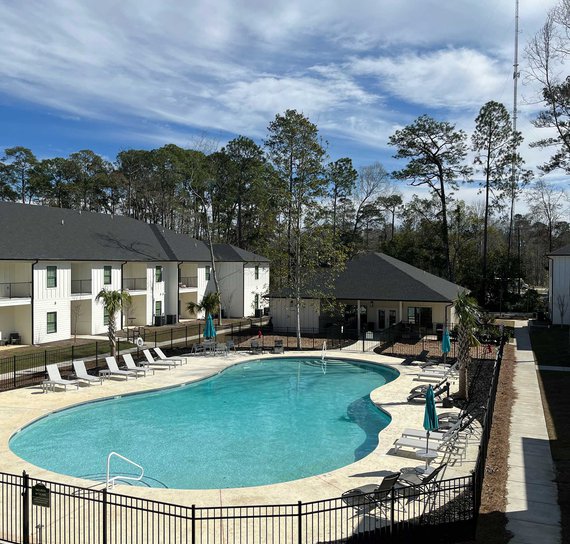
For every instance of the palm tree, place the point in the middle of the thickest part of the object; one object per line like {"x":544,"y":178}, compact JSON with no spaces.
{"x":113,"y":302}
{"x":210,"y":304}
{"x":468,"y":314}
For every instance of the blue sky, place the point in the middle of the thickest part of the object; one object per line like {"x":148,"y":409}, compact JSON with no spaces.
{"x":139,"y":73}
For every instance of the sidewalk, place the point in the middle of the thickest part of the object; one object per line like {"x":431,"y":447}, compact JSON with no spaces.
{"x":532,"y":498}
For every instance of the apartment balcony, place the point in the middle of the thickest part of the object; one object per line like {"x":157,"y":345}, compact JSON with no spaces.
{"x":81,"y":287}
{"x":134,"y":284}
{"x":188,"y":282}
{"x":21,"y":289}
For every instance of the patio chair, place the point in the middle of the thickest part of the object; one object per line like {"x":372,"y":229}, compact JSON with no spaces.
{"x":436,"y":374}
{"x":14,"y":339}
{"x":114,"y":370}
{"x":161,"y":364}
{"x":231,"y":345}
{"x":197,"y":348}
{"x":416,"y":486}
{"x":278,"y":346}
{"x":419,"y":392}
{"x":54,"y":378}
{"x":440,"y":435}
{"x":368,"y":497}
{"x":255,"y":347}
{"x":81,"y":373}
{"x":416,"y":478}
{"x":131,"y":365}
{"x":163,"y":357}
{"x":221,"y":347}
{"x":449,"y":442}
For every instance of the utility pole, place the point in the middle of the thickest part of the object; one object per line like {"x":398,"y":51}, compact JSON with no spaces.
{"x":516,"y":75}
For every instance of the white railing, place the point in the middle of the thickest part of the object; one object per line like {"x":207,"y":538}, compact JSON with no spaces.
{"x":111,"y":481}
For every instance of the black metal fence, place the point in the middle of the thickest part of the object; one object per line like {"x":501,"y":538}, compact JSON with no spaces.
{"x":40,"y":511}
{"x":413,"y":342}
{"x":30,"y":368}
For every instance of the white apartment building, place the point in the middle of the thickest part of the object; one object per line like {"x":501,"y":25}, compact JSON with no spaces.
{"x":54,"y":262}
{"x":559,"y":286}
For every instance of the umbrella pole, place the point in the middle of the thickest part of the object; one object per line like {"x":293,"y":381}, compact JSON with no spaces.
{"x":427,"y":449}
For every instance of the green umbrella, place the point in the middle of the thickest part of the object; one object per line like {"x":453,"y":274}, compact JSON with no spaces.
{"x":430,"y":416}
{"x":445,"y":344}
{"x":209,"y":329}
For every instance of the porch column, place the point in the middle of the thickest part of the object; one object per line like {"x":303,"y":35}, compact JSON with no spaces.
{"x":401,"y":310}
{"x":358,"y":316}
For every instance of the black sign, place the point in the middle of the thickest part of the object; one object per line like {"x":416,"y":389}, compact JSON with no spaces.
{"x":40,"y":495}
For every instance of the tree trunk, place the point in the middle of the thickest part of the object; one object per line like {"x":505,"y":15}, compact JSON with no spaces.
{"x":464,"y":358}
{"x":445,"y":227}
{"x":112,"y":335}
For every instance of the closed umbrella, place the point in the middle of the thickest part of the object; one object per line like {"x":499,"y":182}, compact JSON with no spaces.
{"x":445,"y":344}
{"x":209,"y":329}
{"x":430,"y":417}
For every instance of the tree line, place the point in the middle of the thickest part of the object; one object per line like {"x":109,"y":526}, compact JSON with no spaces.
{"x":286,"y":199}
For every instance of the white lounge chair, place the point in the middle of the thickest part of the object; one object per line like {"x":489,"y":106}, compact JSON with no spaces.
{"x":115,"y":371}
{"x":81,"y":373}
{"x":434,"y":375}
{"x":54,"y":378}
{"x":163,"y":357}
{"x":448,"y":442}
{"x":161,"y":364}
{"x":131,"y":365}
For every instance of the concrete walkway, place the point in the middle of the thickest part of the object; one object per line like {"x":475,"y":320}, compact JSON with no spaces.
{"x":532,"y":498}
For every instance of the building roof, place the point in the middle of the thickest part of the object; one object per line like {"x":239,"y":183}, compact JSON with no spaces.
{"x":563,"y":251}
{"x":29,"y":232}
{"x":376,"y":276}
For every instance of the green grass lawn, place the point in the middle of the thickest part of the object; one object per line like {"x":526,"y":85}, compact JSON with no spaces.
{"x":551,"y":347}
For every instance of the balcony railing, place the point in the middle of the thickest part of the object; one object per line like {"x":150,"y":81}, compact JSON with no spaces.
{"x":189,"y":282}
{"x":81,"y":287}
{"x":134,"y":284}
{"x":16,"y":290}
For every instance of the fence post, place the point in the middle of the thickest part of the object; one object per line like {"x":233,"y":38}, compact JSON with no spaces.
{"x":25,"y":508}
{"x":72,"y":353}
{"x":45,"y":360}
{"x":14,"y":369}
{"x":299,"y":523}
{"x":155,"y":344}
{"x":104,"y":517}
{"x":193,"y":524}
{"x":186,"y":334}
{"x":171,"y":337}
{"x":392,"y":501}
{"x":96,"y":354}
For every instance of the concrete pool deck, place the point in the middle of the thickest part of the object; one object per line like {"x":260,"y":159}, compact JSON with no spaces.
{"x":22,"y":406}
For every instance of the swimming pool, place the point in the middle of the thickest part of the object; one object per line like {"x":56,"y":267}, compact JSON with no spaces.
{"x":259,"y":422}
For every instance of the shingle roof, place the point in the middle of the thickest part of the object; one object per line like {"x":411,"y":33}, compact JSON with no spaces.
{"x":562,"y":251}
{"x":30,"y":232}
{"x":376,"y":276}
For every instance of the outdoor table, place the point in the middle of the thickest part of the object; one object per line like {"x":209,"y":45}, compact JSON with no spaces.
{"x":429,"y":456}
{"x":105,"y":373}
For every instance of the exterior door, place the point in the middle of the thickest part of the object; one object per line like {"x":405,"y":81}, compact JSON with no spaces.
{"x":382,"y":319}
{"x":386,"y":318}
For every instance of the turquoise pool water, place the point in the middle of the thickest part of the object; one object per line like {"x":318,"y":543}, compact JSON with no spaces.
{"x":256,"y":423}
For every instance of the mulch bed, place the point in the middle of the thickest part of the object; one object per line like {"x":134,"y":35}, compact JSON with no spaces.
{"x":491,"y":527}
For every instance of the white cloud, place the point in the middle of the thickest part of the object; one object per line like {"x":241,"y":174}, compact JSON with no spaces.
{"x":450,"y":78}
{"x":359,"y":68}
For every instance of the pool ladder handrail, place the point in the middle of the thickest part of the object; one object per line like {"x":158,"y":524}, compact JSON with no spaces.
{"x":323,"y":357}
{"x":111,"y":481}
